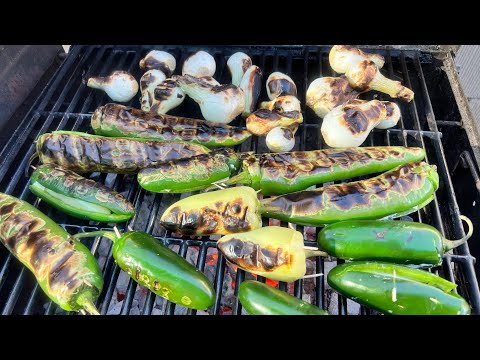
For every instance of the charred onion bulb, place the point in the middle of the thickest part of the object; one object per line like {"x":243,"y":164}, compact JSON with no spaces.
{"x":282,"y":104}
{"x":159,"y":60}
{"x":218,"y":103}
{"x":341,"y":57}
{"x":167,"y":96}
{"x":120,"y":86}
{"x":279,"y":84}
{"x":280,"y":139}
{"x":251,"y":86}
{"x":148,"y":83}
{"x":238,"y":64}
{"x":199,"y":64}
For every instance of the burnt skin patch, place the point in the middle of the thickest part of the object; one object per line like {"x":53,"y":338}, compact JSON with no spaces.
{"x":282,"y":87}
{"x":156,"y":285}
{"x":253,"y":257}
{"x":7,"y":208}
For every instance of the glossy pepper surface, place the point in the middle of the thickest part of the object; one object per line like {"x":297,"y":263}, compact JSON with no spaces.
{"x":155,"y":266}
{"x":222,"y":212}
{"x":274,"y":252}
{"x":399,"y":191}
{"x":79,"y":197}
{"x":65,"y":269}
{"x":283,"y":173}
{"x":195,"y":173}
{"x":117,"y":120}
{"x":81,"y":152}
{"x":398,"y":290}
{"x":401,"y":242}
{"x":261,"y":299}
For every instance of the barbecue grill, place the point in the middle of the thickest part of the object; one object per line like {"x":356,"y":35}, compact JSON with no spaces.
{"x":436,"y":121}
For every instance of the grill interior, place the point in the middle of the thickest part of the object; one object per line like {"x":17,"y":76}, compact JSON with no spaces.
{"x":67,"y":103}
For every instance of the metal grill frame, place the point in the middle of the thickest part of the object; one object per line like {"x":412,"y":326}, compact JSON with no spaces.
{"x":66,"y":103}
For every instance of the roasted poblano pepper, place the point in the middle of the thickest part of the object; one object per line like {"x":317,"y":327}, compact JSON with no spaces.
{"x":155,"y":266}
{"x":121,"y":121}
{"x":397,"y":290}
{"x":81,"y":152}
{"x":273,"y":251}
{"x":283,"y":173}
{"x":394,"y":193}
{"x":261,"y":299}
{"x":65,"y":269}
{"x":401,"y":242}
{"x":227,"y":211}
{"x":195,"y":173}
{"x":79,"y":197}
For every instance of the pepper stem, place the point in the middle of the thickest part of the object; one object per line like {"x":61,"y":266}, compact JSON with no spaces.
{"x":312,"y":251}
{"x":241,"y":178}
{"x":451,"y":244}
{"x":85,"y":301}
{"x":108,"y":234}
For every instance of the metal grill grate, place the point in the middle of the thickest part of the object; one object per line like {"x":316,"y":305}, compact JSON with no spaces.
{"x":67,"y":103}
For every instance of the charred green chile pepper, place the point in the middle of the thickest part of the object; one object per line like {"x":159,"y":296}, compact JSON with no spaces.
{"x":398,"y":290}
{"x":272,"y":251}
{"x":227,"y":211}
{"x":79,"y":197}
{"x":394,"y":193}
{"x":65,"y":269}
{"x":117,"y":120}
{"x":401,"y":242}
{"x":81,"y":152}
{"x":283,"y":173}
{"x":262,"y":299}
{"x":190,"y":174}
{"x":155,"y":266}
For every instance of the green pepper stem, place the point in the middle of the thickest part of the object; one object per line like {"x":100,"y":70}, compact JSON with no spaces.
{"x":451,"y":244}
{"x":309,"y":253}
{"x":85,"y":301}
{"x":241,"y":178}
{"x":108,"y":234}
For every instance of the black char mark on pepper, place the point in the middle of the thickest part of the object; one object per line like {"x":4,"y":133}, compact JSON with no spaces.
{"x":251,"y":256}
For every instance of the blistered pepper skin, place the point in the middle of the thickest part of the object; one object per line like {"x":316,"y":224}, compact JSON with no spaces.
{"x":398,"y":191}
{"x":397,"y":290}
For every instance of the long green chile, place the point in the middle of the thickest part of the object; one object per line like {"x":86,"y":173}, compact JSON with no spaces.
{"x":81,"y":152}
{"x":393,"y":193}
{"x":401,"y":242}
{"x":283,"y":173}
{"x":78,"y":196}
{"x":155,"y":266}
{"x":117,"y":120}
{"x":65,"y":269}
{"x":397,"y":290}
{"x":195,"y":173}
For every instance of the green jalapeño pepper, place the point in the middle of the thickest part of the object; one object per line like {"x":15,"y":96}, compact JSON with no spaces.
{"x":65,"y":269}
{"x":398,"y":290}
{"x":262,"y":299}
{"x":81,"y":152}
{"x":117,"y":120}
{"x":397,"y":192}
{"x":79,"y":197}
{"x":273,"y":251}
{"x":155,"y":266}
{"x":401,"y":242}
{"x":190,"y":174}
{"x":283,"y":173}
{"x":222,"y":212}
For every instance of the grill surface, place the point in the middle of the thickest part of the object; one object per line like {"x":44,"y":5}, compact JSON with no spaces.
{"x":67,"y":103}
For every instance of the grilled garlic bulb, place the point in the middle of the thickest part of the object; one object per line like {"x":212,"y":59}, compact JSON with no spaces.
{"x":148,"y":83}
{"x":238,"y":64}
{"x":392,"y":117}
{"x":365,"y":76}
{"x":120,"y":86}
{"x":280,"y":84}
{"x":251,"y":85}
{"x":348,"y":125}
{"x":282,"y":104}
{"x":160,"y":60}
{"x":341,"y":57}
{"x":280,"y":139}
{"x":262,"y":121}
{"x":326,"y":93}
{"x":199,"y":64}
{"x":167,"y":96}
{"x":218,"y":103}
